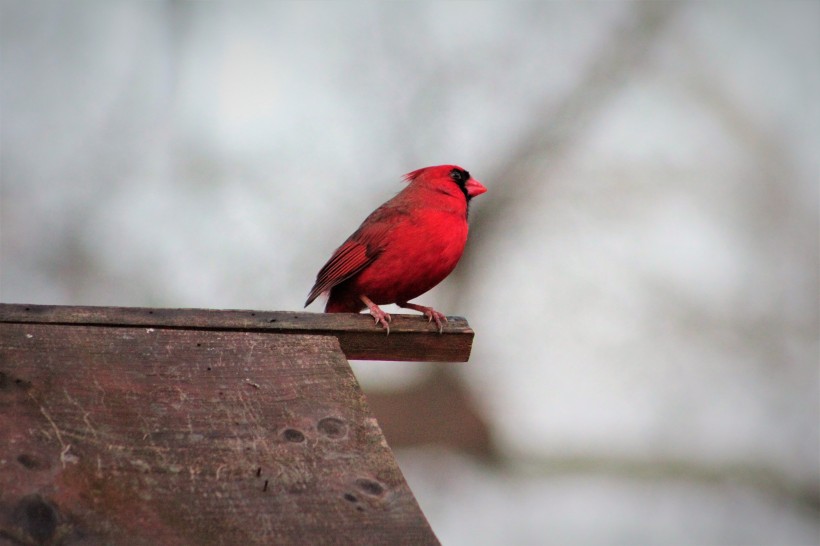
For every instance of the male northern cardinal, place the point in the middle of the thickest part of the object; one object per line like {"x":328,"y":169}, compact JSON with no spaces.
{"x":404,"y":248}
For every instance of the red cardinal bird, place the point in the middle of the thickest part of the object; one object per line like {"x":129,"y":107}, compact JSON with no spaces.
{"x":404,"y":248}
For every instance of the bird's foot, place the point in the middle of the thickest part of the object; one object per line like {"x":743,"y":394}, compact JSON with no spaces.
{"x":429,"y":312}
{"x":377,"y":313}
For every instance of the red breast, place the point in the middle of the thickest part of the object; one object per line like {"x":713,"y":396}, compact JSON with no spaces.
{"x":406,"y":246}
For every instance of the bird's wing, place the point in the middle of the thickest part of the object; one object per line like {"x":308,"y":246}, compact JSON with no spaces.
{"x":356,"y":253}
{"x":349,"y":259}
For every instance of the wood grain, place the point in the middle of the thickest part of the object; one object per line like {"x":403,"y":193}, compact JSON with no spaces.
{"x":193,"y":427}
{"x":411,"y":337}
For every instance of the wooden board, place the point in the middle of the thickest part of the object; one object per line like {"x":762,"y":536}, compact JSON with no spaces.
{"x":410,"y":336}
{"x":149,"y":435}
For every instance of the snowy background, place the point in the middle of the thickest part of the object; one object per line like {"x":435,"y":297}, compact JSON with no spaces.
{"x":642,"y":274}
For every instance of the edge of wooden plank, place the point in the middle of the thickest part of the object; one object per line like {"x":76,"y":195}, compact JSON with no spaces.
{"x":411,"y":337}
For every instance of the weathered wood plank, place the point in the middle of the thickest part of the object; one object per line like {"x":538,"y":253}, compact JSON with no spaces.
{"x":147,"y":435}
{"x":411,"y":337}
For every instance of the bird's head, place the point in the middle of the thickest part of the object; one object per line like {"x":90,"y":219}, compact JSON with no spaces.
{"x":448,"y":179}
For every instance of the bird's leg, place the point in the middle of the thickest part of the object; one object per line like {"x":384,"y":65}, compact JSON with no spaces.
{"x":378,"y":314}
{"x":429,"y":312}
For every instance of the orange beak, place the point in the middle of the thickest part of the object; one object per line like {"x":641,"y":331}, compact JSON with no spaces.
{"x":474,"y":187}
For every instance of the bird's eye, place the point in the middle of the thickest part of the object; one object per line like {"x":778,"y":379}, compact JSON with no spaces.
{"x":459,"y":176}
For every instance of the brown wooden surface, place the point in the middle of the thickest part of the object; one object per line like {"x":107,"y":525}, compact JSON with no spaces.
{"x":360,"y":339}
{"x":154,"y":435}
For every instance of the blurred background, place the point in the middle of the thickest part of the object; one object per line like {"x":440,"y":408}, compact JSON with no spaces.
{"x":642,"y":275}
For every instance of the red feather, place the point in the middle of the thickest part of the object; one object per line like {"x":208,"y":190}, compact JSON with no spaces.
{"x":404,"y":248}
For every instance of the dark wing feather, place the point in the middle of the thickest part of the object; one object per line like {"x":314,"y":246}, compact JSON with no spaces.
{"x":357,"y":252}
{"x":349,"y":259}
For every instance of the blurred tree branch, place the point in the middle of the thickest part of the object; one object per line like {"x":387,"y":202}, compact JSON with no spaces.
{"x":556,"y":125}
{"x":762,"y":478}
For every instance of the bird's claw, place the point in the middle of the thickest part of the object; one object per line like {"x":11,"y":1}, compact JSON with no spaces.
{"x":376,"y":312}
{"x":432,"y":315}
{"x":382,"y":317}
{"x":429,"y":312}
